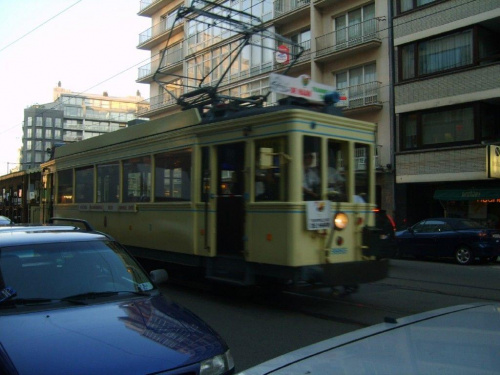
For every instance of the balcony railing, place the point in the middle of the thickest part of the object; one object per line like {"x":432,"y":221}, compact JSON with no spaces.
{"x":157,"y":29}
{"x":347,"y":37}
{"x":282,"y":7}
{"x":155,"y":103}
{"x":360,"y":95}
{"x":174,"y":55}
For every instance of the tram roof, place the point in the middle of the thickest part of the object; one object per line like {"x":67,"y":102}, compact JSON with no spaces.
{"x":179,"y":120}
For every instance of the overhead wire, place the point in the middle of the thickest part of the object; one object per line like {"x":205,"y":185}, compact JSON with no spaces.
{"x":149,"y":58}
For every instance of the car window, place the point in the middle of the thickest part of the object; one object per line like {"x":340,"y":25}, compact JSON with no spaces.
{"x":468,"y":224}
{"x":58,"y":270}
{"x":419,"y":227}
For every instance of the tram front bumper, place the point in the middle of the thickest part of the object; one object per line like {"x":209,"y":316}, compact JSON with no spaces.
{"x":352,"y":273}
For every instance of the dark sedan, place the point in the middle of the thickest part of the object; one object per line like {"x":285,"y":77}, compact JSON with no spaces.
{"x":461,"y":239}
{"x":75,"y":302}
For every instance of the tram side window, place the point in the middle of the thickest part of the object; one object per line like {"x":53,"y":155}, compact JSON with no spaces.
{"x":84,"y":185}
{"x":361,"y":165}
{"x":337,"y":170}
{"x":311,"y":184}
{"x":173,"y":176}
{"x":270,"y":170}
{"x":108,"y":183}
{"x":65,"y":186}
{"x":137,"y":179}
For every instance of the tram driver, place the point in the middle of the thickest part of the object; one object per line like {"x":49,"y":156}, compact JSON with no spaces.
{"x":312,"y":183}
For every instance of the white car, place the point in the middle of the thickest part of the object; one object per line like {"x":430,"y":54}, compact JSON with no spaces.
{"x":463,"y":339}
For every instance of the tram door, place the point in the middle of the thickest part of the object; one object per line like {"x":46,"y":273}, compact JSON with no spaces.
{"x":230,"y":199}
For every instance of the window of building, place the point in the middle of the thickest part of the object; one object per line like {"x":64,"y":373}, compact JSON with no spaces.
{"x":48,"y":133}
{"x":137,"y":179}
{"x":29,"y":132}
{"x":48,"y":122}
{"x":57,"y":134}
{"x":303,"y":39}
{"x":447,"y":53}
{"x":30,"y":121}
{"x":352,"y":26}
{"x":358,"y":84}
{"x":65,"y":186}
{"x":108,"y":183}
{"x":450,"y":126}
{"x":407,"y":5}
{"x":271,"y":175}
{"x":38,"y":145}
{"x":173,"y":176}
{"x":29,"y":145}
{"x":84,"y":185}
{"x":38,"y":132}
{"x":58,"y":122}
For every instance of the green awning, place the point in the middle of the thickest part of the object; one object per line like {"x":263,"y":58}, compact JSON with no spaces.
{"x":467,"y":194}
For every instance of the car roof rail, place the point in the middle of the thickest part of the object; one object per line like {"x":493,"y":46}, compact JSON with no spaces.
{"x":86,"y":224}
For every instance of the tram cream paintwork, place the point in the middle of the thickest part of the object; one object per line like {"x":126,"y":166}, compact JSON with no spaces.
{"x":275,"y":231}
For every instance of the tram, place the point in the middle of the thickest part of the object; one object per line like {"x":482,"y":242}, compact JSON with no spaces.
{"x":20,"y":196}
{"x":228,"y":194}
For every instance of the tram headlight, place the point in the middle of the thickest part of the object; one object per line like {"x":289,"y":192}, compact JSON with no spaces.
{"x":340,"y":220}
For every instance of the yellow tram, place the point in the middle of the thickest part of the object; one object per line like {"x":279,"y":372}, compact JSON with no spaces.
{"x":229,"y":193}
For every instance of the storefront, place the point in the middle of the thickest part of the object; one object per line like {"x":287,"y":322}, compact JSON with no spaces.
{"x":482,"y":205}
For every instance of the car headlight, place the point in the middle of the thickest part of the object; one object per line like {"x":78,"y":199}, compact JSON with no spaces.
{"x":220,"y":364}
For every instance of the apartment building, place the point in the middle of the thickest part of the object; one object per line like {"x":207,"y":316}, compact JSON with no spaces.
{"x":345,"y":42}
{"x":72,"y":117}
{"x":447,"y":108}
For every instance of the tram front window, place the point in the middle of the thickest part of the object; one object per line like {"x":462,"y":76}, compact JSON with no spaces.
{"x":311,"y":184}
{"x":337,"y":154}
{"x":270,"y":171}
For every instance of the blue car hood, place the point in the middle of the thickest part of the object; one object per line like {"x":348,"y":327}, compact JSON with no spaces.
{"x":138,"y":336}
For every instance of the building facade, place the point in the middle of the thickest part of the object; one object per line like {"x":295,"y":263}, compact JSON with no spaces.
{"x":72,"y":117}
{"x":447,"y":108}
{"x":346,"y":45}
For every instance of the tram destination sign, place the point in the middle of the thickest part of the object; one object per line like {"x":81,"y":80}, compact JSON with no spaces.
{"x":319,"y":215}
{"x":493,"y":157}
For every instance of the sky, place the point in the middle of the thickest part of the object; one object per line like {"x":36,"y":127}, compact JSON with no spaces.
{"x":88,"y":45}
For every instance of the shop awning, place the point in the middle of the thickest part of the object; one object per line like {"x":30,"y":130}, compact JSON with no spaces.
{"x":467,"y":194}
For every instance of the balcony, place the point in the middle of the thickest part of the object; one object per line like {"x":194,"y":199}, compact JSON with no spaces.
{"x":155,"y":105}
{"x":288,"y":10}
{"x":322,"y":4}
{"x":150,"y":7}
{"x":172,"y":61}
{"x":361,"y":98}
{"x":348,"y":41}
{"x":159,"y":32}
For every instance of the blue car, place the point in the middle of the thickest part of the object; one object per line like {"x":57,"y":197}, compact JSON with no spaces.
{"x":74,"y":301}
{"x":461,"y":239}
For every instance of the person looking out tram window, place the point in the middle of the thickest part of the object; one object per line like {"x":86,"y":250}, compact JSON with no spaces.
{"x":312,"y":183}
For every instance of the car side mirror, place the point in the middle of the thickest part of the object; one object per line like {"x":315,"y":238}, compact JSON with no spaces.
{"x":159,"y":276}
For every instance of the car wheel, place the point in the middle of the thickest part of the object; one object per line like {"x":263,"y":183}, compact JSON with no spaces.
{"x":463,"y":255}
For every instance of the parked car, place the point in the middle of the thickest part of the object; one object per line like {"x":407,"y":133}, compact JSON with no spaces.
{"x":462,"y":239}
{"x":4,"y":220}
{"x":461,"y":339}
{"x":73,"y":301}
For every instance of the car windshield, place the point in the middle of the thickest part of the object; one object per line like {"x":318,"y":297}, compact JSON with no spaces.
{"x":65,"y":269}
